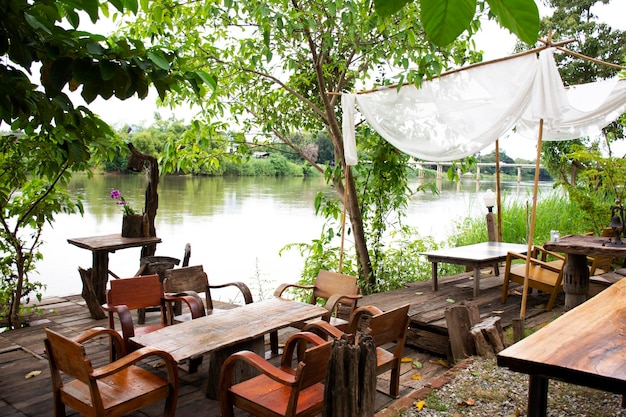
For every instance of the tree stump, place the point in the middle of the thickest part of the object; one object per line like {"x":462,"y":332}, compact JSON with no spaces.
{"x":488,"y":337}
{"x":89,"y":294}
{"x":460,"y":319}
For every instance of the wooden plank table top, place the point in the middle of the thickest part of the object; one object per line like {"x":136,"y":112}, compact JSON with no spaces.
{"x":477,"y":256}
{"x":585,"y":346}
{"x":113,"y":242}
{"x":192,"y":339}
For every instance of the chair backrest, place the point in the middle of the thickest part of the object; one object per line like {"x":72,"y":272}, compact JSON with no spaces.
{"x":68,"y":356}
{"x":385,"y":327}
{"x":137,"y":292}
{"x":188,"y":278}
{"x":313,"y":364}
{"x":328,"y":283}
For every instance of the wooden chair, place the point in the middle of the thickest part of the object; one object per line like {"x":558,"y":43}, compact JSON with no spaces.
{"x":282,"y":390}
{"x":389,"y":327}
{"x":115,"y":389}
{"x":192,"y":280}
{"x":139,"y":292}
{"x":339,"y":291}
{"x":546,"y":276}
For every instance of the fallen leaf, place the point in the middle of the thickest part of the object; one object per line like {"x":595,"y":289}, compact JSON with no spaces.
{"x":440,"y":362}
{"x":31,"y":374}
{"x":419,"y":405}
{"x":158,"y":364}
{"x":419,"y":293}
{"x":416,"y":377}
{"x":498,"y":311}
{"x":450,"y":300}
{"x":540,"y":306}
{"x":406,"y":359}
{"x":417,"y":364}
{"x":467,"y":403}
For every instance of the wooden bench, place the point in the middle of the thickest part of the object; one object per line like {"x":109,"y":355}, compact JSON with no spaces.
{"x":585,"y":346}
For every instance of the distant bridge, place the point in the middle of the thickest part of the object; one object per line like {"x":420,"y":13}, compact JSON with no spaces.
{"x":420,"y":167}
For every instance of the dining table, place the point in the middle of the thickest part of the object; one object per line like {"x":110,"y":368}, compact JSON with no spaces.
{"x":476,"y":256}
{"x":576,"y":267}
{"x":226,"y":331}
{"x":100,"y":247}
{"x":585,"y":346}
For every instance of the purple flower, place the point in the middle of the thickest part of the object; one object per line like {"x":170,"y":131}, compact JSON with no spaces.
{"x":117,"y":195}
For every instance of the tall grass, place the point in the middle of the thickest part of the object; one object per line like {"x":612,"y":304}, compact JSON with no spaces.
{"x":554,"y":212}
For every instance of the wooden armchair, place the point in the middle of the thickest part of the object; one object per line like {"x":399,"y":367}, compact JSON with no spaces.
{"x":115,"y":389}
{"x":282,"y":390}
{"x":339,"y":291}
{"x":546,"y":276}
{"x":192,"y":280}
{"x":387,"y":328}
{"x":140,"y":292}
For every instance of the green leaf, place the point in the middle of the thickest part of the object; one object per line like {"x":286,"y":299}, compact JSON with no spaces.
{"x":131,"y":5}
{"x":92,"y":8}
{"x":389,"y":7}
{"x":107,"y":70}
{"x":208,"y":79}
{"x":445,"y":20}
{"x":521,"y":17}
{"x":117,"y":4}
{"x":159,"y":59}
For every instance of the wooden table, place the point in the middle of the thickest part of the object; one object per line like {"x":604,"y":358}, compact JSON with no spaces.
{"x":101,"y":246}
{"x":576,"y":269}
{"x":476,"y":256}
{"x":236,"y":328}
{"x":585,"y":346}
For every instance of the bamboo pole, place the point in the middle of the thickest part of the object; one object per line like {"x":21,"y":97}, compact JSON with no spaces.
{"x":343,"y":219}
{"x":498,"y":200}
{"x":533,"y":216}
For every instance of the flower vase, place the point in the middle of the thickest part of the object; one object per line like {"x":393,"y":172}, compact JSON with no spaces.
{"x":132,"y":225}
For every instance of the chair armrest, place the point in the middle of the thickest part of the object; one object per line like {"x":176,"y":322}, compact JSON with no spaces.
{"x":323,"y":329}
{"x":195,"y":304}
{"x":533,"y":261}
{"x":334,"y":300}
{"x":126,"y":319}
{"x":544,"y":252}
{"x":136,"y":356}
{"x":243,"y":288}
{"x":255,"y":361}
{"x":283,"y":287}
{"x":116,"y":339}
{"x":300,"y":340}
{"x":355,"y":317}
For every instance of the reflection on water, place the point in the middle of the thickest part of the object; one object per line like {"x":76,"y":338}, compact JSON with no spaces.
{"x":236,"y":226}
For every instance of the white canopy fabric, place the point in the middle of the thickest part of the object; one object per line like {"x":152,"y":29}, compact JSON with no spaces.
{"x":459,"y":114}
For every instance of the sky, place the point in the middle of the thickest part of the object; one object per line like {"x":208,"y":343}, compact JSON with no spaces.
{"x":496,"y":42}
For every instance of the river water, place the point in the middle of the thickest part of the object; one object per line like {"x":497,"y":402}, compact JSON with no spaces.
{"x":236,"y":226}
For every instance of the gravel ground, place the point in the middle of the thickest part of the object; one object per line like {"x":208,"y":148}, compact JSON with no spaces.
{"x":484,"y":389}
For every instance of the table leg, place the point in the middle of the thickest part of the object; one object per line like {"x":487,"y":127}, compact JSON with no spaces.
{"x":100,"y":274}
{"x":243,"y":371}
{"x":476,"y":280}
{"x":537,"y":396}
{"x":575,"y":280}
{"x":434,"y":275}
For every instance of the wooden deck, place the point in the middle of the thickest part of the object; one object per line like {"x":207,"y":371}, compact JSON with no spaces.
{"x":25,"y":388}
